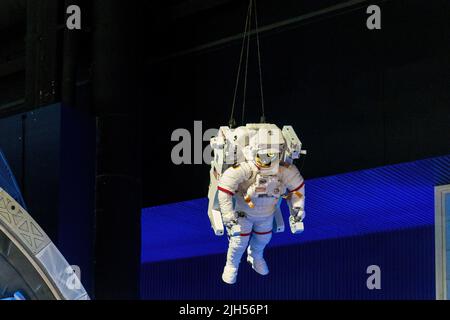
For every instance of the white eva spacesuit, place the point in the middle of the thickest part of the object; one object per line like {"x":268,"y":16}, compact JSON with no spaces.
{"x":249,"y":192}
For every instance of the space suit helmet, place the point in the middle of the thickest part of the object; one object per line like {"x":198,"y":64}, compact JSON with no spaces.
{"x":267,"y":143}
{"x":266,"y":159}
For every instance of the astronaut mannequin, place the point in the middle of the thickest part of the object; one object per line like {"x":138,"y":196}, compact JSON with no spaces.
{"x":249,"y":194}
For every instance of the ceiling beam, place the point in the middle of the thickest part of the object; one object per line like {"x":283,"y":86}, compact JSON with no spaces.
{"x":346,"y":6}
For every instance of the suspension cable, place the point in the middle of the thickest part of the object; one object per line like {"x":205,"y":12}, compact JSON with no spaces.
{"x":246,"y":46}
{"x":263,"y":115}
{"x":232,"y":122}
{"x":246,"y":63}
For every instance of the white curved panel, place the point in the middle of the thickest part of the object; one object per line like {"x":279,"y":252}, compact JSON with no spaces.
{"x":42,"y":255}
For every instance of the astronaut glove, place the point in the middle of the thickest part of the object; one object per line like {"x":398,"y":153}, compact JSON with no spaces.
{"x":229,"y":218}
{"x":296,"y":220}
{"x":299,"y":214}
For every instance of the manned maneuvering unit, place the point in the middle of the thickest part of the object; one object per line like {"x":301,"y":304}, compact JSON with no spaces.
{"x":251,"y":173}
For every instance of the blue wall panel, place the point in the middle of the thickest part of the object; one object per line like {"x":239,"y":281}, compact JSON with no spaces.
{"x":382,"y":199}
{"x":382,"y":216}
{"x":8,"y":181}
{"x":330,"y":269}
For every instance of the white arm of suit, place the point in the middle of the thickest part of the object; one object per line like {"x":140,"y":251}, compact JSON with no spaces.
{"x":295,"y":184}
{"x":228,"y":185}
